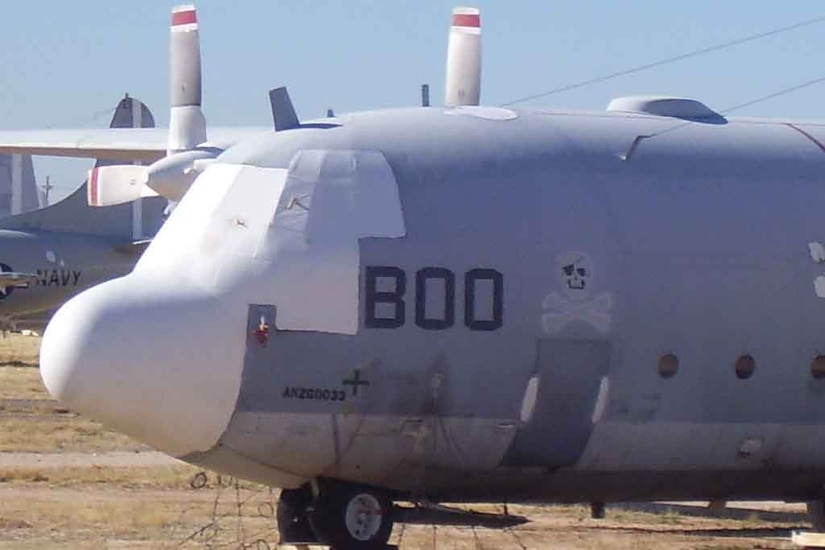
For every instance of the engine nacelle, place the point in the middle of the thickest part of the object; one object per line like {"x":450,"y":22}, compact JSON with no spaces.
{"x":171,"y":176}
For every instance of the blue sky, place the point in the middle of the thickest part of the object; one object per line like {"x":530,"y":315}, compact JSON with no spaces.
{"x":65,"y":64}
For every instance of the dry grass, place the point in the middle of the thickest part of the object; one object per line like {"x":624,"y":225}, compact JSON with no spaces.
{"x":224,"y":518}
{"x":92,"y":524}
{"x":21,"y":383}
{"x":155,"y":477}
{"x":61,"y":433}
{"x":30,"y":421}
{"x":92,"y":518}
{"x":18,"y":350}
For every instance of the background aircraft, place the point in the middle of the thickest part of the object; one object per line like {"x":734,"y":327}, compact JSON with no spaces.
{"x":477,"y":304}
{"x":49,"y":254}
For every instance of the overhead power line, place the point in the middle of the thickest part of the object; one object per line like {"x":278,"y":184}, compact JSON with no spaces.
{"x":668,"y":60}
{"x":784,"y":91}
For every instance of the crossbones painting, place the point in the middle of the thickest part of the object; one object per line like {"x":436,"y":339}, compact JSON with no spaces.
{"x":574,"y":304}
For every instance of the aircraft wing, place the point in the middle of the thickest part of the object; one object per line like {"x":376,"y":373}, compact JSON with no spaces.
{"x":10,"y":278}
{"x":119,"y":144}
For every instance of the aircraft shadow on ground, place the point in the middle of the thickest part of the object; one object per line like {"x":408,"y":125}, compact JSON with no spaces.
{"x":797,"y":519}
{"x":456,"y":517}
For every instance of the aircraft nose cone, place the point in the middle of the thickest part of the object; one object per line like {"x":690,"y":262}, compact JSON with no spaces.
{"x":157,"y":365}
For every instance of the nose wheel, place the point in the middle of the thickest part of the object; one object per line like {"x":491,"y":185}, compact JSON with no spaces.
{"x":351,"y":517}
{"x":291,"y":515}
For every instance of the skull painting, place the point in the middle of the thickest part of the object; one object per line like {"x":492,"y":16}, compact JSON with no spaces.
{"x":575,"y":271}
{"x":576,"y":303}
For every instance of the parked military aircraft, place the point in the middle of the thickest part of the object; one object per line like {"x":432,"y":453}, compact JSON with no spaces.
{"x":477,"y":304}
{"x":49,"y":254}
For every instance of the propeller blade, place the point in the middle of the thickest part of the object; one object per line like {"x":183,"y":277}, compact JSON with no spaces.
{"x":464,"y":59}
{"x":187,"y":152}
{"x":187,"y":125}
{"x":110,"y":185}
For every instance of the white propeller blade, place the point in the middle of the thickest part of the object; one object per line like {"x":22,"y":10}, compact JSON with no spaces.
{"x":187,"y":125}
{"x":171,"y":176}
{"x":464,"y":59}
{"x":110,"y":185}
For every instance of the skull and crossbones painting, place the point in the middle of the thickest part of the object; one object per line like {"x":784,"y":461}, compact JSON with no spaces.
{"x":574,"y":303}
{"x":574,"y":274}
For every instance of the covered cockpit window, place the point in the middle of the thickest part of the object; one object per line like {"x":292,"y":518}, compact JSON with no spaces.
{"x":289,"y":238}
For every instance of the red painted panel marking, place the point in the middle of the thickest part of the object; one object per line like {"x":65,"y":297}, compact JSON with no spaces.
{"x":466,"y":20}
{"x":93,"y":187}
{"x":184,"y":18}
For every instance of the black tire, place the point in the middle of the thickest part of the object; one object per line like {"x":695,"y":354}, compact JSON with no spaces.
{"x":816,"y":514}
{"x":291,"y":515}
{"x":348,"y":517}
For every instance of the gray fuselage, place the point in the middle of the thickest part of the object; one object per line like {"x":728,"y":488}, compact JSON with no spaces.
{"x":562,"y":318}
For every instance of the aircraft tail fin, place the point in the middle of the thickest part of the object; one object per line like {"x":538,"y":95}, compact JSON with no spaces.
{"x":18,"y":188}
{"x":123,"y":222}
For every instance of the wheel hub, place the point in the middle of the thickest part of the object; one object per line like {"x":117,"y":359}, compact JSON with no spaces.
{"x":363,"y":517}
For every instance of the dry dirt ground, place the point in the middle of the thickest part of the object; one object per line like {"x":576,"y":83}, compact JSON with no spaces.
{"x":67,"y":482}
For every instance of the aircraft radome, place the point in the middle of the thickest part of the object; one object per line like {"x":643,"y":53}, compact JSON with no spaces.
{"x":470,"y":303}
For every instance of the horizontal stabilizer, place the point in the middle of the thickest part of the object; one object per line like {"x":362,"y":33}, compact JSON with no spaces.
{"x":12,"y":279}
{"x":110,"y":185}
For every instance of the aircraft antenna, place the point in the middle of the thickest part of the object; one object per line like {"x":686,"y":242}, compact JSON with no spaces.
{"x":668,"y":60}
{"x":779,"y":93}
{"x":47,"y":187}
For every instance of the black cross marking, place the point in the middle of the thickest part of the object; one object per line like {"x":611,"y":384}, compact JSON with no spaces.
{"x":355,"y":382}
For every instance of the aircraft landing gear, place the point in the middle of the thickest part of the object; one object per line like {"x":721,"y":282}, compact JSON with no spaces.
{"x":351,"y":517}
{"x":816,"y":514}
{"x":292,"y":516}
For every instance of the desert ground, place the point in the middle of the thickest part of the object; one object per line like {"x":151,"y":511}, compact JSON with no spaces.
{"x":68,"y":482}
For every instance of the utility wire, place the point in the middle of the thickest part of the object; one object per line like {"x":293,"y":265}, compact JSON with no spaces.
{"x":668,"y":60}
{"x":773,"y":95}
